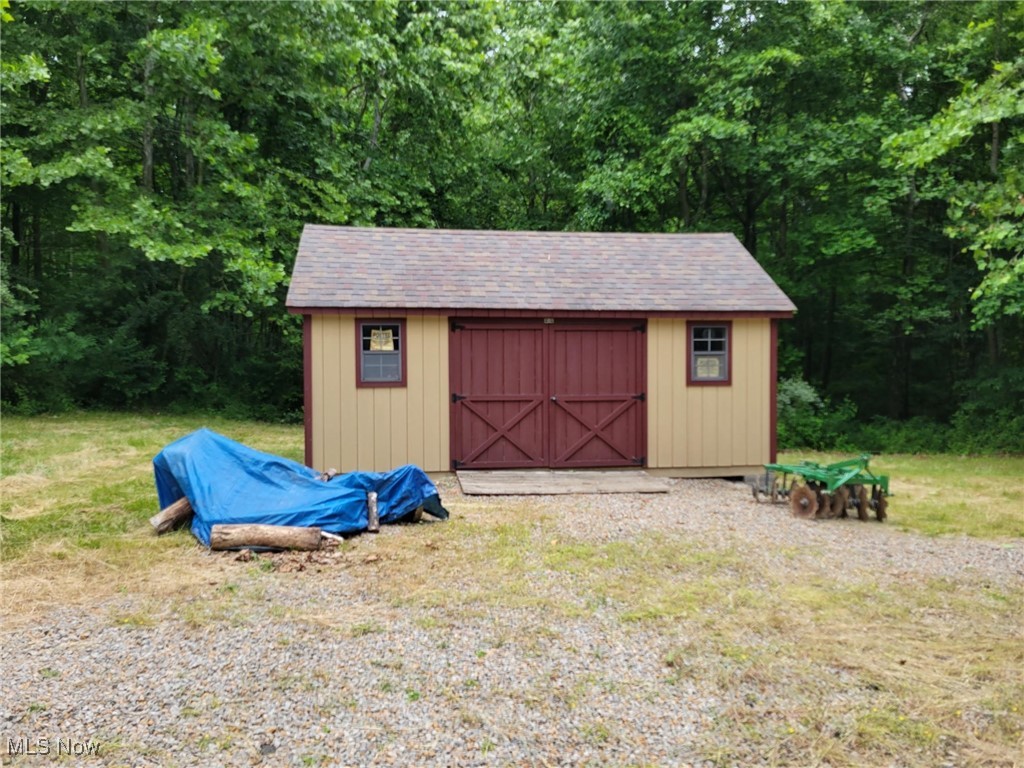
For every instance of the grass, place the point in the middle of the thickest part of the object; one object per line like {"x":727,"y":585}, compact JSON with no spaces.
{"x":813,"y":670}
{"x":76,"y":494}
{"x":940,"y":495}
{"x":850,"y":671}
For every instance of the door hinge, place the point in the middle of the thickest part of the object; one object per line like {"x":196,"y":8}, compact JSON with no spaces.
{"x":456,"y":398}
{"x":642,"y":328}
{"x":641,"y":397}
{"x":456,"y":327}
{"x":456,"y":463}
{"x":639,"y":460}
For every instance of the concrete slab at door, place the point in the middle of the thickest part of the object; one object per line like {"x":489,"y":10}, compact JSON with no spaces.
{"x":542,"y":482}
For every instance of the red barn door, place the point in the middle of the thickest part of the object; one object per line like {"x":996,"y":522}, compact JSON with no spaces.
{"x":597,"y":395}
{"x":499,"y":396}
{"x":530,"y":394}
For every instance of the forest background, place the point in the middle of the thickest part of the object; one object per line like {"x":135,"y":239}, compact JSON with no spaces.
{"x":159,"y":160}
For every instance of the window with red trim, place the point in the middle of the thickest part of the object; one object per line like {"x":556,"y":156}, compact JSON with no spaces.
{"x":380,"y":353}
{"x":709,"y":358}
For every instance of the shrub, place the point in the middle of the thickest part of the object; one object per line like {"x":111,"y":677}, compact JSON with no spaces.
{"x":916,"y":435}
{"x":808,"y":420}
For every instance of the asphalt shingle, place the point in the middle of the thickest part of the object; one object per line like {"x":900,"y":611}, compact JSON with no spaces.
{"x":486,"y":270}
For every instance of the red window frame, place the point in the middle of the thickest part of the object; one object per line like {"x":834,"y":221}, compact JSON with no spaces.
{"x":360,"y":324}
{"x":690,"y":380}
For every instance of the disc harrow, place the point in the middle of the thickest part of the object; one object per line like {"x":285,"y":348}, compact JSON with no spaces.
{"x":818,"y":491}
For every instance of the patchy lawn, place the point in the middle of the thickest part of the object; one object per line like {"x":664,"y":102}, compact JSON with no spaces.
{"x":833,"y":643}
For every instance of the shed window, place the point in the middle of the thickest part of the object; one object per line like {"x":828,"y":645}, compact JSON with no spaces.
{"x":381,"y":353}
{"x":709,"y":353}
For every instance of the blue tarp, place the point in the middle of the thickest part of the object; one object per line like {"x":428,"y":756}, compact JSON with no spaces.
{"x":227,"y":482}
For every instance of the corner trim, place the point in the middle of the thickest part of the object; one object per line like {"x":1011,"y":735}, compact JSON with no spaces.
{"x":773,"y":398}
{"x":307,"y":385}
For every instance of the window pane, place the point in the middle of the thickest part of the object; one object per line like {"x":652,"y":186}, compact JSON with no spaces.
{"x":381,"y":366}
{"x":380,"y":338}
{"x":389,"y":368}
{"x":709,"y":367}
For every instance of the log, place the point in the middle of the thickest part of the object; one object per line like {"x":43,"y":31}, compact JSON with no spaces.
{"x":169,"y":518}
{"x":276,"y":536}
{"x":372,"y":520}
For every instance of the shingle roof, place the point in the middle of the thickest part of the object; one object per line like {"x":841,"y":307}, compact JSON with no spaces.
{"x":476,"y":269}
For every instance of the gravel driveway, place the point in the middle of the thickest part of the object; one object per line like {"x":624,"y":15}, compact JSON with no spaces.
{"x":328,"y":665}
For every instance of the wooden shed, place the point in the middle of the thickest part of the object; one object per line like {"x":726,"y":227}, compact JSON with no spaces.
{"x":487,"y":350}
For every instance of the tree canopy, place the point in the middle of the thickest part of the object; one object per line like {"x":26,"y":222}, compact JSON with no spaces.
{"x":160,"y":158}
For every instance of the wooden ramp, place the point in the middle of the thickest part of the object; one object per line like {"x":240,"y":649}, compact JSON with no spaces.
{"x":543,"y":482}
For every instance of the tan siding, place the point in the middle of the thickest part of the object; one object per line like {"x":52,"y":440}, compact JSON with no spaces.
{"x":708,"y":427}
{"x":346,"y":429}
{"x":437,"y":393}
{"x":659,"y":406}
{"x":317,"y":388}
{"x":678,"y":423}
{"x":377,"y":429}
{"x":332,"y":407}
{"x":415,"y":360}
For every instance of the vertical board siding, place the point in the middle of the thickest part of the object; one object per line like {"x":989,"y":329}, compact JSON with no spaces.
{"x":694,"y":426}
{"x":380,"y":428}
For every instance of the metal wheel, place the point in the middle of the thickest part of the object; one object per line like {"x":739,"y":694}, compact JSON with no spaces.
{"x":803,"y":501}
{"x":862,"y":502}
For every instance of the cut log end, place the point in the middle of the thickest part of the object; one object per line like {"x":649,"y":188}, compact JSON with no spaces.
{"x":171,"y":517}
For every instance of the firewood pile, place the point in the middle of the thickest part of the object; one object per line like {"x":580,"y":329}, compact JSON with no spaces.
{"x":260,"y":536}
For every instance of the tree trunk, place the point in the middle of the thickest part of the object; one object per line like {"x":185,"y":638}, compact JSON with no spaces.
{"x":684,"y":198}
{"x":993,"y":160}
{"x":276,"y":536}
{"x":147,"y":130}
{"x":374,"y":132}
{"x":826,"y":357}
{"x":18,"y":232}
{"x":190,"y":158}
{"x":37,"y":243}
{"x":171,"y":517}
{"x":783,"y":242}
{"x":750,"y":205}
{"x":702,"y":201}
{"x":83,"y":90}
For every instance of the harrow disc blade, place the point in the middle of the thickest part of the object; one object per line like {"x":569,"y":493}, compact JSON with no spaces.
{"x":803,"y":502}
{"x":881,"y":505}
{"x":839,"y":501}
{"x":862,"y":502}
{"x":824,"y":504}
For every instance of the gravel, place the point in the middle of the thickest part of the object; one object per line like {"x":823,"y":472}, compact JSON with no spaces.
{"x":318,"y":668}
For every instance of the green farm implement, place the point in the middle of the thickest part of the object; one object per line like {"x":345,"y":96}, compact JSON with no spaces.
{"x":826,"y":490}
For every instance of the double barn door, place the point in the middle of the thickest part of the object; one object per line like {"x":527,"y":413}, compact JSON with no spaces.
{"x":535,"y":394}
